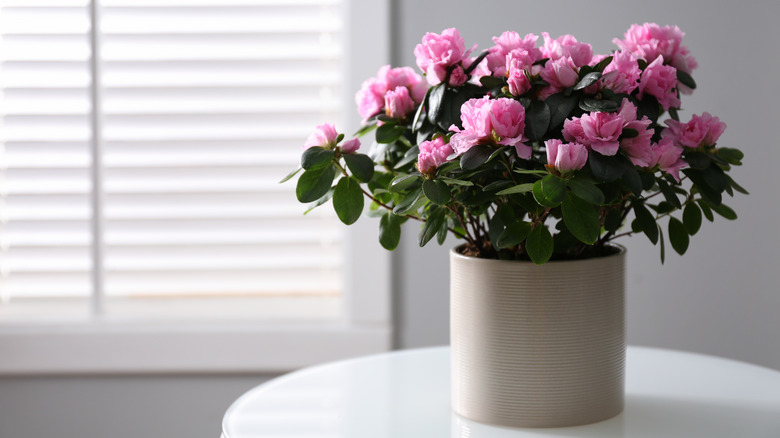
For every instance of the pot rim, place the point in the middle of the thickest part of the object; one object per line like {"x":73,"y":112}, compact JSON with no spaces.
{"x":621,"y":252}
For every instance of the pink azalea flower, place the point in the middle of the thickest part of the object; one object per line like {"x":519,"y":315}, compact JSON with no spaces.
{"x":660,"y":81}
{"x":567,"y":46}
{"x":505,"y":44}
{"x":666,"y":156}
{"x":566,"y":157}
{"x":323,"y":136}
{"x":398,"y":103}
{"x":371,"y":97}
{"x":649,"y":41}
{"x":437,"y":53}
{"x":560,"y":74}
{"x":496,"y":121}
{"x":622,"y":74}
{"x":433,"y":154}
{"x":598,"y":130}
{"x":517,"y":79}
{"x":704,"y":130}
{"x":350,"y":146}
{"x":637,"y":148}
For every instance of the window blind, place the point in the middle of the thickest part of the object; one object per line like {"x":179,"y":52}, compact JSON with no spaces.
{"x":203,"y":107}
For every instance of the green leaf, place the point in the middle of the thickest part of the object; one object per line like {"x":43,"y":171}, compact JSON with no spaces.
{"x":663,"y":247}
{"x":514,"y":234}
{"x":531,"y":172}
{"x":435,"y":102}
{"x":678,"y":235}
{"x":408,"y":203}
{"x":290,"y":175}
{"x":316,"y":157}
{"x":402,"y":182}
{"x":314,"y":183}
{"x":648,"y":180}
{"x":492,"y":82}
{"x":537,"y":120}
{"x":504,"y":215}
{"x":588,"y":80}
{"x":436,"y":220}
{"x":732,"y":156}
{"x":389,"y":231}
{"x":409,"y":157}
{"x":361,"y":166}
{"x":389,"y":132}
{"x":706,"y":210}
{"x":348,"y":200}
{"x":631,"y":178}
{"x":686,"y":79}
{"x":605,"y":168}
{"x":520,"y":188}
{"x":698,"y":160}
{"x":549,"y":191}
{"x":603,"y":105}
{"x":561,"y":107}
{"x":455,"y":182}
{"x":603,"y":64}
{"x":647,"y":221}
{"x":702,"y":185}
{"x":475,"y":156}
{"x":736,"y":186}
{"x":581,"y":218}
{"x":715,"y":178}
{"x":692,"y":218}
{"x":417,"y":122}
{"x":725,"y":211}
{"x":365,"y":130}
{"x":649,"y":107}
{"x":437,"y":191}
{"x":586,"y":191}
{"x":669,"y":194}
{"x":325,"y":198}
{"x":613,"y":220}
{"x":539,"y":245}
{"x":497,"y":185}
{"x":629,"y":133}
{"x":476,"y":62}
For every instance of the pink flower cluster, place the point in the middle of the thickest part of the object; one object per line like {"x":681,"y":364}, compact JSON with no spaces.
{"x":396,"y":91}
{"x":325,"y":136}
{"x":491,"y":121}
{"x":605,"y":133}
{"x":433,"y":154}
{"x":649,"y":41}
{"x":441,"y":54}
{"x":701,"y":131}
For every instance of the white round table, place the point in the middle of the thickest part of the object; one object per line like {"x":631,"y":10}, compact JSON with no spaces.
{"x":405,"y":394}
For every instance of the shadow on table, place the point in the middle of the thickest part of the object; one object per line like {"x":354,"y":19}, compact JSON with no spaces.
{"x":653,"y":417}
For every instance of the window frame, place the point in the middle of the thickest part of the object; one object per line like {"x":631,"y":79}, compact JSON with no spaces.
{"x":110,"y":345}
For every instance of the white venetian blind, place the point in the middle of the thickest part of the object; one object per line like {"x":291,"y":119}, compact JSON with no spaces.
{"x":203,"y":107}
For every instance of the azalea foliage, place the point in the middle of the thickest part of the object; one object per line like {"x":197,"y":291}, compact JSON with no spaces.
{"x":529,"y":150}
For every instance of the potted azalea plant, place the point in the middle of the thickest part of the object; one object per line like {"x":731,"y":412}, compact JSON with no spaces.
{"x":537,"y":156}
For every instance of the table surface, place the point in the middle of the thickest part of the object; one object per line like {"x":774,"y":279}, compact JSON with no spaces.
{"x":669,"y":394}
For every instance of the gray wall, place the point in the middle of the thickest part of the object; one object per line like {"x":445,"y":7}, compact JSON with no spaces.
{"x":723,"y":296}
{"x":118,"y":406}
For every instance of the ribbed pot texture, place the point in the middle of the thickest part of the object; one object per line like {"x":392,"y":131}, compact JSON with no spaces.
{"x":537,"y":346}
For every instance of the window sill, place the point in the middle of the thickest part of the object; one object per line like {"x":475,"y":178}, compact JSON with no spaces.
{"x":110,"y":347}
{"x":238,"y":335}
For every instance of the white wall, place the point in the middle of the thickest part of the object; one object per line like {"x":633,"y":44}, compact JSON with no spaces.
{"x":723,"y":296}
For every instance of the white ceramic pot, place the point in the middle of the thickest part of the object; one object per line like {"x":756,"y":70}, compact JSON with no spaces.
{"x":537,"y":346}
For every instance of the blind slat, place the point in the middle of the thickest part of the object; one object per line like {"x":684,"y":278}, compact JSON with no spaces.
{"x":206,"y":104}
